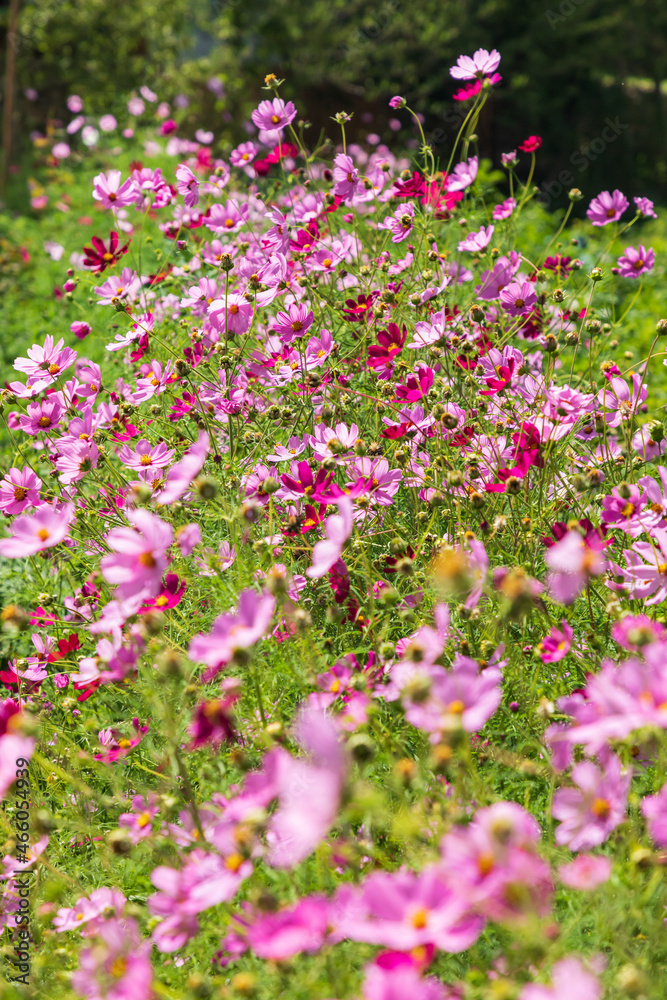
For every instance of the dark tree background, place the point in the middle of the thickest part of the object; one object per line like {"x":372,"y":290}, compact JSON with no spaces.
{"x":586,"y":75}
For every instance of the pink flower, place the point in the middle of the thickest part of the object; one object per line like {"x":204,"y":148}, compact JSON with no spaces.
{"x":573,"y":561}
{"x":139,"y":555}
{"x":182,"y":473}
{"x":294,"y":323}
{"x":87,"y":910}
{"x":337,"y":528}
{"x":109,"y":190}
{"x":145,"y":457}
{"x":234,"y":632}
{"x":42,"y":416}
{"x":138,"y":823}
{"x":44,"y":365}
{"x":346,"y":177}
{"x":243,"y":155}
{"x":47,"y":527}
{"x":607,"y":208}
{"x":205,"y":881}
{"x":117,"y":289}
{"x":309,"y":791}
{"x":463,"y":176}
{"x":587,"y":871}
{"x":400,"y":223}
{"x":488,"y":860}
{"x":570,"y":982}
{"x":232,"y":314}
{"x":618,"y":397}
{"x":407,"y":910}
{"x":645,"y":207}
{"x":274,"y":114}
{"x":482,"y":63}
{"x":654,"y":810}
{"x":300,"y":928}
{"x":636,"y":261}
{"x":633,"y":632}
{"x":19,"y":489}
{"x":476,"y":242}
{"x":397,"y":102}
{"x":591,"y":811}
{"x":556,"y":645}
{"x":504,"y":210}
{"x":188,"y":537}
{"x":227,"y":218}
{"x":117,"y":966}
{"x":518,"y":298}
{"x":187,"y":185}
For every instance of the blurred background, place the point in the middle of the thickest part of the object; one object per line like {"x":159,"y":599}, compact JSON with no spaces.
{"x":588,"y":76}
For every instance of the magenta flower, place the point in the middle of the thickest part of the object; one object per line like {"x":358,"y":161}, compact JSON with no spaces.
{"x":397,"y":102}
{"x":482,"y":63}
{"x":34,"y":533}
{"x":187,"y":185}
{"x":337,"y":528}
{"x":274,"y":114}
{"x":234,"y":632}
{"x":633,"y":632}
{"x":570,"y":980}
{"x":139,"y":555}
{"x":19,"y":489}
{"x":607,"y":208}
{"x":556,"y":645}
{"x":518,"y":298}
{"x":407,"y":910}
{"x":589,"y":812}
{"x":636,"y":261}
{"x":117,"y":744}
{"x":170,"y":595}
{"x":401,"y":980}
{"x":500,"y":369}
{"x":13,"y":746}
{"x":477,"y":242}
{"x":645,"y":575}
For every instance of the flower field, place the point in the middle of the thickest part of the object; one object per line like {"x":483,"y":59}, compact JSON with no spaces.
{"x":332,"y":569}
